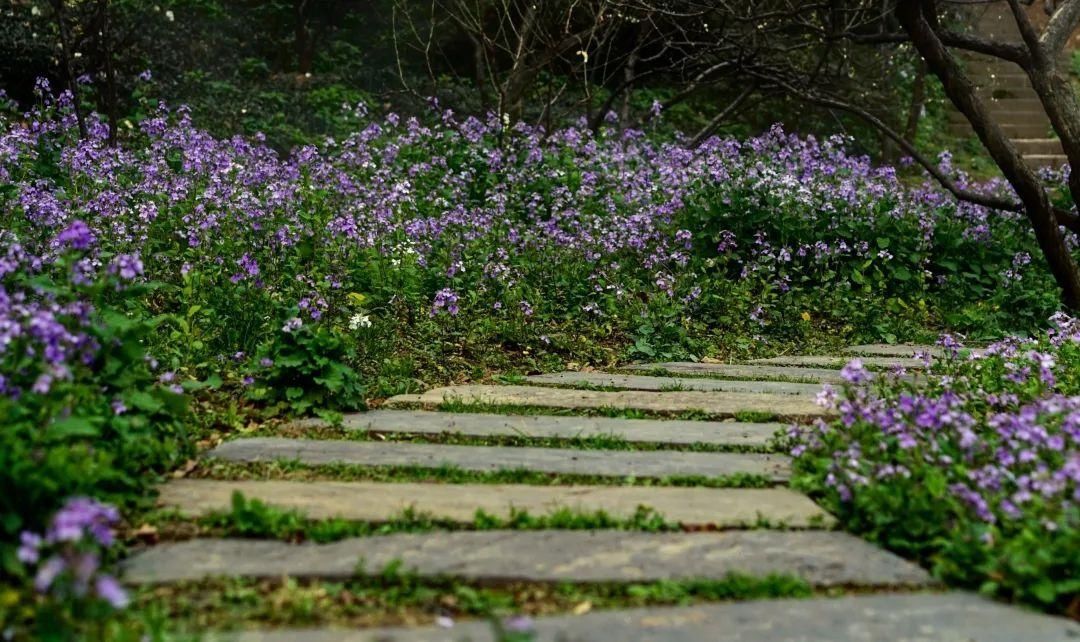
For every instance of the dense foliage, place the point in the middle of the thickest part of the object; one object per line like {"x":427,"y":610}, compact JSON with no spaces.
{"x":176,"y":263}
{"x":976,"y":471}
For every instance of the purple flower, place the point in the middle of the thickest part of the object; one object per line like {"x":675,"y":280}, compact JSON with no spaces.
{"x":855,"y":373}
{"x":126,"y":266}
{"x":108,"y":589}
{"x":77,"y":236}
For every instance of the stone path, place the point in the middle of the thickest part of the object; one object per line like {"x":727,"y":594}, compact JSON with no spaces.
{"x":822,"y":558}
{"x":654,"y":431}
{"x":742,"y":372}
{"x":752,"y":531}
{"x":952,"y":617}
{"x":640,"y":382}
{"x":381,"y":502}
{"x":719,"y":404}
{"x":881,"y":363}
{"x":612,"y":463}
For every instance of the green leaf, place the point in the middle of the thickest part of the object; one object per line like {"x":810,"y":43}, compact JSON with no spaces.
{"x":72,"y":428}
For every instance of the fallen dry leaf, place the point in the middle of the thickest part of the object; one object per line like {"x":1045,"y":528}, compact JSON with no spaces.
{"x":583,"y":608}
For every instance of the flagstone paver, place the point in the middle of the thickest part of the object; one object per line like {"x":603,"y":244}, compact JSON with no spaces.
{"x":743,"y":371}
{"x":926,"y":617}
{"x":822,"y":558}
{"x":724,"y":404}
{"x":619,"y":463}
{"x":665,"y":431}
{"x":831,"y":361}
{"x":377,"y":502}
{"x":642,"y":382}
{"x":902,"y":350}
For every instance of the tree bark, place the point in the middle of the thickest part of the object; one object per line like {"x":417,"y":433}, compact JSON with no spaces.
{"x":917,"y":19}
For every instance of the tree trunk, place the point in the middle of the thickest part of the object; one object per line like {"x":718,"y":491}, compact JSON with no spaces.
{"x":962,"y":93}
{"x":918,"y":103}
{"x":65,"y":57}
{"x":305,"y":51}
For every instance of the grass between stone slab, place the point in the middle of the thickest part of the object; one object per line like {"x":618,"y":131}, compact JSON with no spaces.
{"x":312,"y":430}
{"x":662,"y":372}
{"x":397,"y":598}
{"x":248,"y":517}
{"x":457,"y":405}
{"x":255,"y":518}
{"x":295,"y":470}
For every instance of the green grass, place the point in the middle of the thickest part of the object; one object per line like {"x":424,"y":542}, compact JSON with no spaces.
{"x":257,"y":519}
{"x":293,"y":470}
{"x":457,"y":405}
{"x":313,"y":430}
{"x":394,"y":598}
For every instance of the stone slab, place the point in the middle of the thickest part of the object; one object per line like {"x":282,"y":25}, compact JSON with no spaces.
{"x":666,"y":431}
{"x":615,"y":463}
{"x":642,"y":382}
{"x":721,"y":404}
{"x":904,"y":350}
{"x":822,"y":558}
{"x":920,"y":617}
{"x":881,"y":363}
{"x":378,"y":502}
{"x":743,"y":371}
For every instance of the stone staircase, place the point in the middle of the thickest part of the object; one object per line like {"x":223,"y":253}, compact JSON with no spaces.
{"x":1006,"y":87}
{"x":720,"y":479}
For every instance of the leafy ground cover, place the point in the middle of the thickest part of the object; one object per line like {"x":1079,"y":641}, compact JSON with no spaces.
{"x":180,"y":284}
{"x":976,"y":474}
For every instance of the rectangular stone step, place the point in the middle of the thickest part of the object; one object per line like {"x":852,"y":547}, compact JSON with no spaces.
{"x":824,"y":361}
{"x":822,"y":558}
{"x":742,"y":371}
{"x":1052,"y":161}
{"x":904,"y":350}
{"x":610,"y":463}
{"x":1038,"y":146}
{"x":720,"y":404}
{"x":641,"y":382}
{"x":658,"y":431}
{"x":922,"y":617}
{"x":380,"y":502}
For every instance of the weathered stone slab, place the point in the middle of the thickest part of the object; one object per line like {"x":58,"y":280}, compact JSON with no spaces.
{"x":642,"y":382}
{"x":822,"y":558}
{"x":377,"y":502}
{"x":904,"y":350}
{"x":743,"y":371}
{"x":615,"y":463}
{"x":667,"y":431}
{"x":882,"y":363}
{"x":921,"y":617}
{"x":722,"y":404}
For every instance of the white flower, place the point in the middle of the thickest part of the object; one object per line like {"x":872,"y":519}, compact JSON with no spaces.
{"x":359,"y":321}
{"x":169,"y":15}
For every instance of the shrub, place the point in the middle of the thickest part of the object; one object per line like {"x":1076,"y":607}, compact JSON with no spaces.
{"x":976,"y":472}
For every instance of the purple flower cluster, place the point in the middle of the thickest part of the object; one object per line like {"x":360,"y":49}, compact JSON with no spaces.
{"x":996,"y":427}
{"x":482,"y":206}
{"x":68,"y":554}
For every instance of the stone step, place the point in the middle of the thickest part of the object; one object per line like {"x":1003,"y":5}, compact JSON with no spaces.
{"x":1039,"y":146}
{"x":641,"y":382}
{"x":1053,"y":161}
{"x":610,"y":463}
{"x":1030,"y":129}
{"x":822,"y":558}
{"x":657,"y":431}
{"x":825,"y":361}
{"x":380,"y":502}
{"x":742,"y":371}
{"x":720,"y":404}
{"x":904,"y":350}
{"x":923,"y":617}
